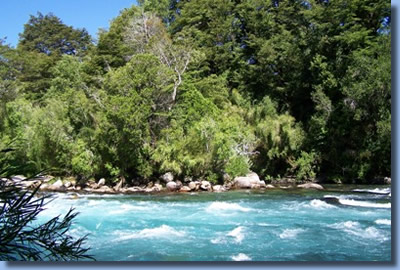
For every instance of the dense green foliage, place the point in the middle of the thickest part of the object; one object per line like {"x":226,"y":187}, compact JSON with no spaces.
{"x":205,"y":88}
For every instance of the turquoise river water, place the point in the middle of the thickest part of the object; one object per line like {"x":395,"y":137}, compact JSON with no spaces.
{"x":270,"y":225}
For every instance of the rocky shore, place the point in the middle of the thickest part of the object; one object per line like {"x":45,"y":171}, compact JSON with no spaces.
{"x":166,"y":183}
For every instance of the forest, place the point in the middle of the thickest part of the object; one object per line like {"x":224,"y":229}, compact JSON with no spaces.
{"x":204,"y":89}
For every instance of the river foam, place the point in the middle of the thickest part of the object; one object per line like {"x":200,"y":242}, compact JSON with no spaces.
{"x":237,"y":234}
{"x":355,"y":228}
{"x":241,"y":257}
{"x":290,"y":233}
{"x":364,"y":203}
{"x":318,"y":204}
{"x":381,"y":191}
{"x":164,"y":231}
{"x":383,"y":222}
{"x":224,"y":206}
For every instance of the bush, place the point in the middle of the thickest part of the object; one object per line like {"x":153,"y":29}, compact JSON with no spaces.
{"x":305,"y":166}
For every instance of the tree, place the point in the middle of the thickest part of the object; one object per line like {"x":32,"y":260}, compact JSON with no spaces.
{"x":146,"y":33}
{"x":49,"y":35}
{"x":111,"y":52}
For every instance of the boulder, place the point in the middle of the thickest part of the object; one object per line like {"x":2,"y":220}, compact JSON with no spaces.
{"x":242,"y":182}
{"x":102,"y":189}
{"x":18,"y":178}
{"x":105,"y":189}
{"x":228,"y":185}
{"x":185,"y":189}
{"x":387,"y":180}
{"x":149,"y":190}
{"x":44,"y":186}
{"x":68,"y":184}
{"x":218,"y":188}
{"x":205,"y":185}
{"x":178,"y":184}
{"x":198,"y":184}
{"x":251,"y":180}
{"x":132,"y":189}
{"x":167,"y":177}
{"x":192,"y":185}
{"x":254,"y":179}
{"x":157,"y":187}
{"x":101,"y":182}
{"x":171,"y":186}
{"x":119,"y":185}
{"x":29,"y":183}
{"x":311,"y":186}
{"x":255,"y":186}
{"x":269,"y":186}
{"x":262,"y":184}
{"x":57,"y":185}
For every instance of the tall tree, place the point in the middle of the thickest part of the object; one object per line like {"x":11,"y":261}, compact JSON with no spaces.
{"x":49,"y":35}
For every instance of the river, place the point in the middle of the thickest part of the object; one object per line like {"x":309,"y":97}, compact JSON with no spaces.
{"x":270,"y":225}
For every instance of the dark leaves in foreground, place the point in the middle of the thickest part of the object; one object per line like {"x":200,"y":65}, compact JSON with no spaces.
{"x":22,"y":239}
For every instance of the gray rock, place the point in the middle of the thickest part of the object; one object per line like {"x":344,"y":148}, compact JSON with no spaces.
{"x":172,"y":186}
{"x":167,"y":177}
{"x":57,"y":185}
{"x":248,"y":181}
{"x":178,"y":184}
{"x":18,"y":178}
{"x":157,"y":187}
{"x":192,"y":185}
{"x":29,"y":183}
{"x":242,"y":182}
{"x":262,"y":184}
{"x":205,"y":185}
{"x":185,"y":189}
{"x":387,"y":180}
{"x":44,"y":186}
{"x":311,"y":186}
{"x":228,"y":185}
{"x":198,"y":184}
{"x":269,"y":186}
{"x":149,"y":190}
{"x":255,"y":186}
{"x":133,"y":189}
{"x":254,"y":179}
{"x":119,"y":185}
{"x":218,"y":188}
{"x":101,"y":182}
{"x":68,"y":184}
{"x":105,"y":189}
{"x":46,"y":178}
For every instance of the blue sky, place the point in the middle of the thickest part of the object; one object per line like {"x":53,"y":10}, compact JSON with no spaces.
{"x":89,"y":14}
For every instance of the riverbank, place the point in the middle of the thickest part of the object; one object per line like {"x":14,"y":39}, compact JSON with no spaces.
{"x":165,"y":184}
